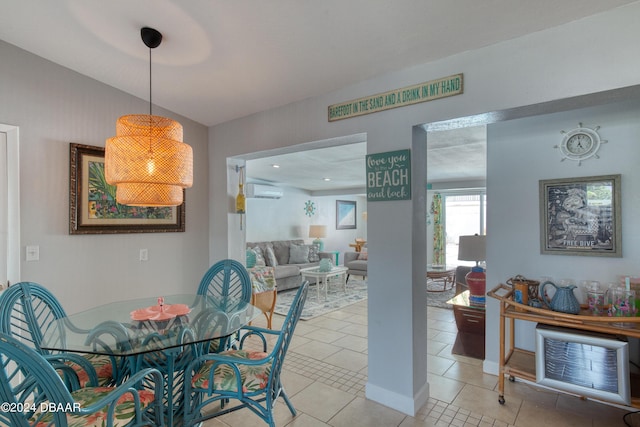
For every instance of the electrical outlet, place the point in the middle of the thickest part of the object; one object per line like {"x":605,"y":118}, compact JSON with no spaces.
{"x":144,"y":255}
{"x":32,"y":253}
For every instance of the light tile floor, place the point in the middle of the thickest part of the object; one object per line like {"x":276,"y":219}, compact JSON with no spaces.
{"x":325,"y":374}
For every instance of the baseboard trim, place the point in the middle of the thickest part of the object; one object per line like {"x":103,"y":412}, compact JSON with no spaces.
{"x":490,"y":367}
{"x":405,"y":404}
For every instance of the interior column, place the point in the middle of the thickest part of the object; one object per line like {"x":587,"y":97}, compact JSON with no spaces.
{"x":397,"y":331}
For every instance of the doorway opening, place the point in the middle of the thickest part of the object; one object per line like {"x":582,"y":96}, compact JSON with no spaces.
{"x":456,"y":193}
{"x":9,"y":205}
{"x":300,"y":186}
{"x":464,"y":215}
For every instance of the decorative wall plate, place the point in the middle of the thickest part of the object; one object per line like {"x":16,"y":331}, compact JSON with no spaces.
{"x":309,"y":208}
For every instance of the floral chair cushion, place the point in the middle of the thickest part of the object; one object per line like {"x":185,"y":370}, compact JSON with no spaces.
{"x":103,"y":367}
{"x":124,"y":411}
{"x":214,"y":346}
{"x":262,"y":279}
{"x":254,"y":377}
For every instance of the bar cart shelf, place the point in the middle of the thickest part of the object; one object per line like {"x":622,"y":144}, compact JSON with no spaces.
{"x":520,"y":363}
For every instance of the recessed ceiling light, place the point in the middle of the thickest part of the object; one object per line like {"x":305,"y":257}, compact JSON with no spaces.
{"x":275,"y":166}
{"x":326,"y":179}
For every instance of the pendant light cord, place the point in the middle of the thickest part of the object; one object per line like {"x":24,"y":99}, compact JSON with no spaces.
{"x":150,"y":109}
{"x":150,"y":100}
{"x":152,"y":39}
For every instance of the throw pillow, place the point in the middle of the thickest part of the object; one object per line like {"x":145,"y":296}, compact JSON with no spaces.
{"x":281,"y":251}
{"x":298,"y":254}
{"x":260,"y":262}
{"x":271,"y":257}
{"x":251,"y":258}
{"x":313,"y":253}
{"x":363,"y":256}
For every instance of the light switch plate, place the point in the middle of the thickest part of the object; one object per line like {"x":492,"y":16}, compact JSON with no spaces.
{"x":33,"y":253}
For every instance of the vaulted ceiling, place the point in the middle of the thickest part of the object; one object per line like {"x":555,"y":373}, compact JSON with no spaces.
{"x":221,"y":60}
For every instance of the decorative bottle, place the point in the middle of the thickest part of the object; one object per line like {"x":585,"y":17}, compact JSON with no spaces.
{"x":240,"y":198}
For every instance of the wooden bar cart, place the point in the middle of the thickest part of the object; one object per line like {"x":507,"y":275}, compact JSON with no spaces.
{"x":520,"y":363}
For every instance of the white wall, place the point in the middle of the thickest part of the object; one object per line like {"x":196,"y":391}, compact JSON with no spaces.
{"x":53,"y":106}
{"x":562,"y":62}
{"x":521,"y":153}
{"x":278,"y":219}
{"x":284,"y":218}
{"x":339,"y":240}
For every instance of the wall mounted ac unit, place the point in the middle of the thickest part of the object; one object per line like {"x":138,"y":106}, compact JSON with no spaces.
{"x":260,"y":191}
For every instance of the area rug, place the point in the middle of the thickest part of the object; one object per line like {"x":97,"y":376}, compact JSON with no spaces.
{"x":336,"y":299}
{"x":439,"y":299}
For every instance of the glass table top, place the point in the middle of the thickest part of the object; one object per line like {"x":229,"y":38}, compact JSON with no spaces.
{"x":148,"y":324}
{"x":464,"y":299}
{"x":310,"y":271}
{"x":439,"y":267}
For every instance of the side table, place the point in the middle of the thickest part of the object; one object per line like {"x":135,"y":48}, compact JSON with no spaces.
{"x":470,"y":320}
{"x":441,"y":274}
{"x":264,"y":296}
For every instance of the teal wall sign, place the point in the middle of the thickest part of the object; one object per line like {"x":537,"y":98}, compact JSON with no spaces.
{"x":389,"y":176}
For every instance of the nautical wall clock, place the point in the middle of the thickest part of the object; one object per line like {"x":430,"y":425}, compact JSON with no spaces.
{"x":580,"y":144}
{"x":309,"y":208}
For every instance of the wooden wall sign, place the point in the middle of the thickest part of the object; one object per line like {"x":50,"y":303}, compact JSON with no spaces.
{"x":422,"y":92}
{"x":389,"y":176}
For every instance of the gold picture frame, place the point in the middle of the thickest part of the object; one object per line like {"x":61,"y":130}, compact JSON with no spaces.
{"x":92,"y":205}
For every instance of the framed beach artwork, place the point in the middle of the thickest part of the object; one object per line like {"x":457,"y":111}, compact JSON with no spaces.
{"x":345,"y":214}
{"x":581,"y":216}
{"x":92,"y":201}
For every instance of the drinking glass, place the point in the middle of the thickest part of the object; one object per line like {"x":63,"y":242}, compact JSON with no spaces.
{"x":595,"y":301}
{"x":622,"y":303}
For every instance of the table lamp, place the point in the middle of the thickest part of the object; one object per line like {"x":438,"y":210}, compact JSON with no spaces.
{"x":473,"y":248}
{"x":318,"y":231}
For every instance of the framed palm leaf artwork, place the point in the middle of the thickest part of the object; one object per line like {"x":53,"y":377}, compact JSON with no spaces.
{"x":92,"y":201}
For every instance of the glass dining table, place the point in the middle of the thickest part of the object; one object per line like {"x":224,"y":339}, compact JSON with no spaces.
{"x":165,"y":333}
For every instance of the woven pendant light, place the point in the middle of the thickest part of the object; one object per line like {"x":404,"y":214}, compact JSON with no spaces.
{"x":147,"y":160}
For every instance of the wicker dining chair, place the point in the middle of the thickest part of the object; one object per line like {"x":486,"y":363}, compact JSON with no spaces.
{"x":227,"y":278}
{"x":35,"y":394}
{"x":29,"y":310}
{"x":227,"y":281}
{"x":251,"y":377}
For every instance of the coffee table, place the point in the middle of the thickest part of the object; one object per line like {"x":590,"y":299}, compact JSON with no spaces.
{"x":322,"y":278}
